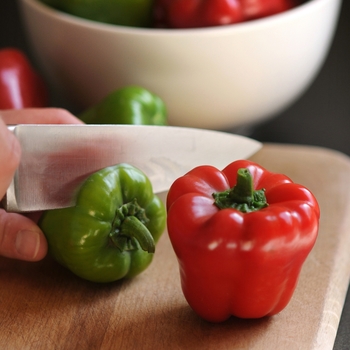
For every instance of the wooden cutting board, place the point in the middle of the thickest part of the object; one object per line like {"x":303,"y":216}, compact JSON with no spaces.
{"x":44,"y":306}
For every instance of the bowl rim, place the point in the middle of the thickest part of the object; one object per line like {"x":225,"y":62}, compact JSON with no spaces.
{"x":292,"y":14}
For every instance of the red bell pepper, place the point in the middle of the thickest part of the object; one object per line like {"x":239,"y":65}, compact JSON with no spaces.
{"x":20,"y":85}
{"x":241,"y":236}
{"x":206,"y":13}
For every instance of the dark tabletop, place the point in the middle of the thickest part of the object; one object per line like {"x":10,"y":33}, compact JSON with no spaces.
{"x":321,"y":117}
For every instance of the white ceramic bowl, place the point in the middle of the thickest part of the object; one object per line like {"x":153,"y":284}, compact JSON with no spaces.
{"x":217,"y":78}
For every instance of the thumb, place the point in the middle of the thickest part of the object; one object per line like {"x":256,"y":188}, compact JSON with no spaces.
{"x":21,"y":238}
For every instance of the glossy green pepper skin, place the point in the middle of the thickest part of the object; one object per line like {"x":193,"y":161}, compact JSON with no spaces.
{"x":129,"y":105}
{"x":112,"y":230}
{"x":134,"y":13}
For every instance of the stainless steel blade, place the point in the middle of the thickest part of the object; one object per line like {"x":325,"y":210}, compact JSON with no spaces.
{"x":56,"y":159}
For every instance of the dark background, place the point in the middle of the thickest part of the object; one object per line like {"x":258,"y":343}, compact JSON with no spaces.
{"x":321,"y":117}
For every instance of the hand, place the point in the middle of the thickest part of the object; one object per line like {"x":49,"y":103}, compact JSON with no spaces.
{"x":20,"y":236}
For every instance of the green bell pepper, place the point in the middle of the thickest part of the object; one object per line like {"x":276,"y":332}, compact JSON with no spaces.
{"x":134,"y":13}
{"x":129,"y":105}
{"x":112,"y":230}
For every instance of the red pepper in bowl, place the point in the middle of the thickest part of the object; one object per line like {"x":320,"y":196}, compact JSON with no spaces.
{"x":207,"y":13}
{"x":20,"y":85}
{"x":241,"y":236}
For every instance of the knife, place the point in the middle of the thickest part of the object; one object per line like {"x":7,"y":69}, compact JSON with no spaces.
{"x":56,"y":159}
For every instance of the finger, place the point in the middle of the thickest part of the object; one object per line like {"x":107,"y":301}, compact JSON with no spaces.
{"x":10,"y":153}
{"x":21,"y":238}
{"x":39,"y":116}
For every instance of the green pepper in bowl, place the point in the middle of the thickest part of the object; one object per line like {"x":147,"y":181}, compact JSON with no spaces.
{"x":134,"y":13}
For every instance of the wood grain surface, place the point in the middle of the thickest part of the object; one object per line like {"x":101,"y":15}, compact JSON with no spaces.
{"x":44,"y":306}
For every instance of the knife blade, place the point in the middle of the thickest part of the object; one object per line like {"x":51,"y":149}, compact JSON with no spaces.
{"x":56,"y":159}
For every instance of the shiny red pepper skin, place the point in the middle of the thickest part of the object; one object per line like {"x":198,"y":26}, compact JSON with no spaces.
{"x":20,"y":85}
{"x":206,"y":13}
{"x":233,"y":263}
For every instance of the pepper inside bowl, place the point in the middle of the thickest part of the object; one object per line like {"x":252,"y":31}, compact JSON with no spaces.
{"x":215,"y":77}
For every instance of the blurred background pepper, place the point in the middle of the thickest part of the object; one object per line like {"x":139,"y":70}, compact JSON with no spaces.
{"x":20,"y":85}
{"x":129,"y":105}
{"x":207,"y":13}
{"x":135,"y":13}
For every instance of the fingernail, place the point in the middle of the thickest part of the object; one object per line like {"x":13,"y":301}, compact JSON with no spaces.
{"x":27,"y":243}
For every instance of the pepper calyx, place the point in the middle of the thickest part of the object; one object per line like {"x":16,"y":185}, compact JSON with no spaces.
{"x":129,"y":228}
{"x":242,"y":196}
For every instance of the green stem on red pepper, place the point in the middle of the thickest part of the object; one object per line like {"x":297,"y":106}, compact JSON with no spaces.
{"x":129,"y":225}
{"x":242,"y":196}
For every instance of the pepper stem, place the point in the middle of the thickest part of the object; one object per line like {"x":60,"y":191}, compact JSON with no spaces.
{"x":242,"y":196}
{"x":129,"y":226}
